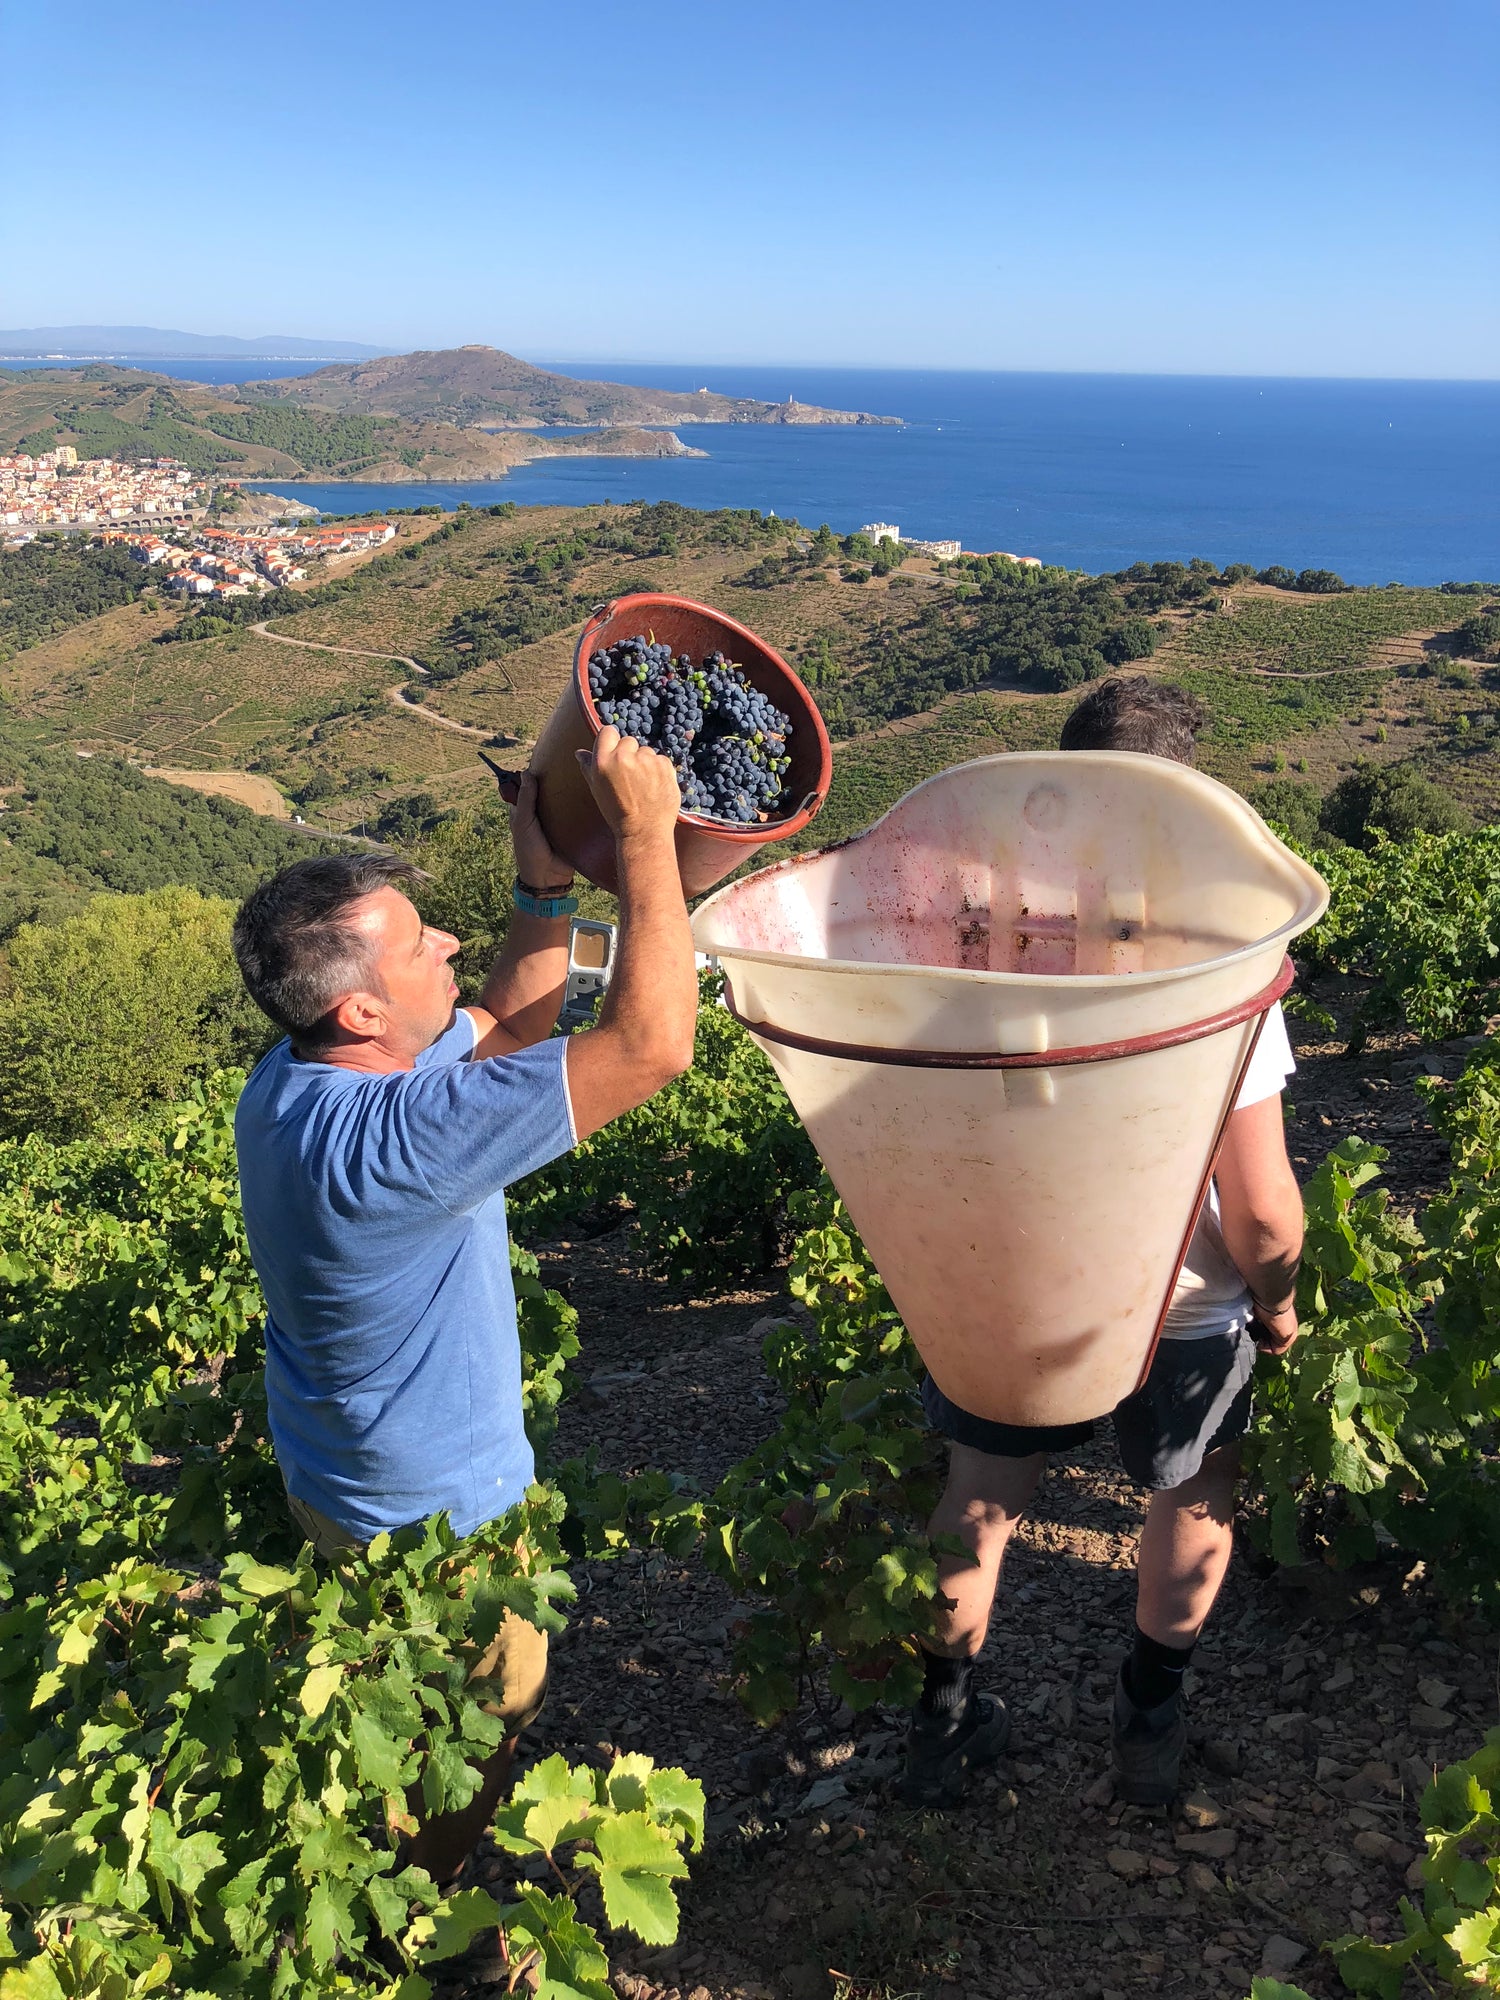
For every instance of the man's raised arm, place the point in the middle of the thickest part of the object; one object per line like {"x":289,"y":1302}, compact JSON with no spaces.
{"x":521,"y":997}
{"x":645,"y":1033}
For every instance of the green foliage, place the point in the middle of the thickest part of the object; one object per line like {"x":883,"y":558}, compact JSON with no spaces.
{"x":1382,"y":1419}
{"x":123,"y":1253}
{"x":108,"y":826}
{"x":706,"y":1165}
{"x":224,"y":1780}
{"x":1478,"y":638}
{"x":118,"y":1008}
{"x":821,"y":1528}
{"x":1417,"y":922}
{"x":164,"y":427}
{"x":626,"y":1826}
{"x":1294,"y":808}
{"x":1455,"y":1935}
{"x":1393,"y":800}
{"x":57,"y":581}
{"x":1051,"y":627}
{"x":1327,"y":635}
{"x":824,"y":1522}
{"x":1343,"y":1414}
{"x":471,"y":868}
{"x":320,"y":440}
{"x":518,"y":615}
{"x":208,"y":1773}
{"x":548,"y":1327}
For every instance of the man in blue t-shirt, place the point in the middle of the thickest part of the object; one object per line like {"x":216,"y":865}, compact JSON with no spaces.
{"x":375,"y":1144}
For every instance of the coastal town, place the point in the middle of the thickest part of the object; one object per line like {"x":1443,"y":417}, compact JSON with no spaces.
{"x":231,"y":562}
{"x":155,"y":510}
{"x":57,"y":489}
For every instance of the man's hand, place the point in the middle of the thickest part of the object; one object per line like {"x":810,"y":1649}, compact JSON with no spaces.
{"x":536,"y":862}
{"x":1274,"y":1332}
{"x":645,"y":1033}
{"x":633,"y":786}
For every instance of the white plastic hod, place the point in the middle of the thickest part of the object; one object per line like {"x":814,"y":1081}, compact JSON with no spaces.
{"x":1014,"y":1016}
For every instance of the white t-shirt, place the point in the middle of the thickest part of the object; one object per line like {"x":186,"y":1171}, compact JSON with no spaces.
{"x":1211,"y":1296}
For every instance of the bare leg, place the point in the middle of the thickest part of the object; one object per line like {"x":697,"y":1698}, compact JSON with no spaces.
{"x":1185,"y":1549}
{"x":984,"y":1499}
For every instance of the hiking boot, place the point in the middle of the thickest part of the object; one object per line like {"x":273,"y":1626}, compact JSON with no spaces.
{"x":942,"y":1749}
{"x":1148,"y":1747}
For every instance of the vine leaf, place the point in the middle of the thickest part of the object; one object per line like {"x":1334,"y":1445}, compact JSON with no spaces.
{"x":636,"y":1865}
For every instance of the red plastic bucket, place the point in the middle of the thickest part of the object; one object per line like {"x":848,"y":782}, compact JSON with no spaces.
{"x":707,"y":849}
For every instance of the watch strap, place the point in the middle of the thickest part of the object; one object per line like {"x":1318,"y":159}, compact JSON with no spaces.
{"x":532,"y":903}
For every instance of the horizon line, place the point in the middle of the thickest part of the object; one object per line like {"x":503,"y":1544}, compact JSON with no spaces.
{"x":837,"y":367}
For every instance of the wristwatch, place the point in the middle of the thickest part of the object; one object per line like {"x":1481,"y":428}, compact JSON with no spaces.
{"x":558,"y":901}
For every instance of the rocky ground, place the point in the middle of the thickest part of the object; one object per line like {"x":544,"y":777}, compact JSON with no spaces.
{"x":1319,"y":1705}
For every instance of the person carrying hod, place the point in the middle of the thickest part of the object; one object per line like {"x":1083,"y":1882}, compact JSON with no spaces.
{"x":375,"y":1143}
{"x":1178,"y":1434}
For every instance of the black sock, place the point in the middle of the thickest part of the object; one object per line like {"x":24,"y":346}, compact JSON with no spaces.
{"x":1153,"y":1673}
{"x":946,"y":1684}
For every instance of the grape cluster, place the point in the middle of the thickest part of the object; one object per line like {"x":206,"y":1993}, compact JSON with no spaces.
{"x":727,"y":741}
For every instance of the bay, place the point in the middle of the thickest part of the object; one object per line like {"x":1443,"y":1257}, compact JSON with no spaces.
{"x":1381,"y":481}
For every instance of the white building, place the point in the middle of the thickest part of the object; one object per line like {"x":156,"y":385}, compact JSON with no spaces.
{"x":881,"y":531}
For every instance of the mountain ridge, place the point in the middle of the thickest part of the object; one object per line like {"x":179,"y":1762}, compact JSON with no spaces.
{"x":106,"y":411}
{"x":149,"y":342}
{"x":469,"y":385}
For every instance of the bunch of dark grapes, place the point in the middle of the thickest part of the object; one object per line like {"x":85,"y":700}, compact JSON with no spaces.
{"x":727,"y":741}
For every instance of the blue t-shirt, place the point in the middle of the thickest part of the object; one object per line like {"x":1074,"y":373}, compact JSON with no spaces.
{"x":376,"y":1219}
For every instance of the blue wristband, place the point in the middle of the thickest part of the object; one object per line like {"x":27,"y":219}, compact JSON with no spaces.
{"x":543,"y":906}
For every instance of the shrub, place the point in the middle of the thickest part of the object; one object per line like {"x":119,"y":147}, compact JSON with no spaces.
{"x":1291,"y":806}
{"x":118,"y":1008}
{"x":1395,"y":800}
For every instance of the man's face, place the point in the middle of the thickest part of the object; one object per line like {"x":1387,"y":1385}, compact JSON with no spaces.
{"x":415,"y":987}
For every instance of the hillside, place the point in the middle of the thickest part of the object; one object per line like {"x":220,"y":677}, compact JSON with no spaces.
{"x":365,"y":694}
{"x":473,"y":385}
{"x":109,"y":412}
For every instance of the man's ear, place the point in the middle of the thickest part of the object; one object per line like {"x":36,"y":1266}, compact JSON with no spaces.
{"x":361,"y":1016}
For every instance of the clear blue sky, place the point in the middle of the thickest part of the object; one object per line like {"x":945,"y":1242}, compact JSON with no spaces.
{"x":1289,"y":187}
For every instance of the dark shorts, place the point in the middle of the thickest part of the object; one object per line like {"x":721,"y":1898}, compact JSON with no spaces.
{"x":1195,"y":1400}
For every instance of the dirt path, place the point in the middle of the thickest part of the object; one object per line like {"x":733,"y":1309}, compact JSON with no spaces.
{"x":320,"y":646}
{"x":397,"y":695}
{"x":403,"y":701}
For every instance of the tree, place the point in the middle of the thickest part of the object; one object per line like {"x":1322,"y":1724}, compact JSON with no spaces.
{"x":1133,"y":639}
{"x":1395,"y":800}
{"x":118,"y":1008}
{"x":1279,"y":575}
{"x":1292,"y":806}
{"x":471,"y":871}
{"x":1478,"y":638}
{"x":1321,"y":582}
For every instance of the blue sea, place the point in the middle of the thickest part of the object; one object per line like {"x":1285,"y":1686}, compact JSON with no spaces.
{"x":1381,"y":481}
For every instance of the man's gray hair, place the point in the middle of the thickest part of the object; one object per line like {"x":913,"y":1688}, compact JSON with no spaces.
{"x":297,"y":947}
